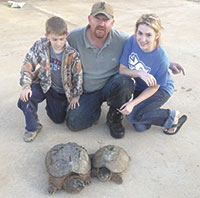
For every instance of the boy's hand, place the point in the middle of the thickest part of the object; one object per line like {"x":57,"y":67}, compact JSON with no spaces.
{"x":74,"y":102}
{"x":25,"y":95}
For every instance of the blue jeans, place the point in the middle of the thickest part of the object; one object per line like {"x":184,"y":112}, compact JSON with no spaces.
{"x":116,"y":92}
{"x":148,"y":112}
{"x":56,"y":106}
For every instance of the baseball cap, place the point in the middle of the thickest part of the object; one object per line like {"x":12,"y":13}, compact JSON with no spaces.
{"x":102,"y":8}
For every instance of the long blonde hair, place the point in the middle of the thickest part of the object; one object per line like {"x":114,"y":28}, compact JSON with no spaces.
{"x":154,"y":22}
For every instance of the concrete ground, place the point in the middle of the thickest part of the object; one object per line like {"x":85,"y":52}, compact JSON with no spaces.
{"x":162,"y":166}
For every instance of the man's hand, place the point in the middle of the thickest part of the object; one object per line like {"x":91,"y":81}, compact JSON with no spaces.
{"x":176,"y":68}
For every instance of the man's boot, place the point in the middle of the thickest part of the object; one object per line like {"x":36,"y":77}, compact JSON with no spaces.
{"x":114,"y":122}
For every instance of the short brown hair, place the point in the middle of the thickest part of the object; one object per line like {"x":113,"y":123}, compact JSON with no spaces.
{"x":153,"y":21}
{"x":56,"y":25}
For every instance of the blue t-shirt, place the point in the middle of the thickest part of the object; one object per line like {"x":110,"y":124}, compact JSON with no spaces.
{"x":155,"y":63}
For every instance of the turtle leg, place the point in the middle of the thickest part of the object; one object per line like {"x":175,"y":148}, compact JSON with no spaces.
{"x":91,"y":156}
{"x":88,"y":181}
{"x":73,"y":184}
{"x":116,"y":178}
{"x":93,"y":172}
{"x":52,"y":189}
{"x":55,"y":184}
{"x":86,"y":178}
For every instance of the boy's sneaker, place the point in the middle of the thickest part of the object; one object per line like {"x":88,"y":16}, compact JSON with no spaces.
{"x":29,"y":136}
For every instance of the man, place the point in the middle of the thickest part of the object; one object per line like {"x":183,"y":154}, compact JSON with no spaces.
{"x":100,"y":47}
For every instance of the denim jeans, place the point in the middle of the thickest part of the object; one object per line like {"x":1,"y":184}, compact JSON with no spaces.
{"x":56,"y":106}
{"x":148,"y":112}
{"x":117,"y":91}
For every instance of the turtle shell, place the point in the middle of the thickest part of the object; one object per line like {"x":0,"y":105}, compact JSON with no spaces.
{"x":63,"y":159}
{"x":112,"y":157}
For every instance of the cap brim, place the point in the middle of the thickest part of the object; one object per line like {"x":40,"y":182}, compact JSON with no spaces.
{"x":104,"y":13}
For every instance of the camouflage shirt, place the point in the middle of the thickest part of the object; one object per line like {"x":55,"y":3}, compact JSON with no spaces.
{"x":36,"y":67}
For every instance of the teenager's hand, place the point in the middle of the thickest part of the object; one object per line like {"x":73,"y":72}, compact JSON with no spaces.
{"x":25,"y":95}
{"x":74,"y":102}
{"x":126,"y":108}
{"x":148,"y":78}
{"x":176,"y":68}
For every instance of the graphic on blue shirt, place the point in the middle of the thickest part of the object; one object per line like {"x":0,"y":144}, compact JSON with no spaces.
{"x":135,"y":63}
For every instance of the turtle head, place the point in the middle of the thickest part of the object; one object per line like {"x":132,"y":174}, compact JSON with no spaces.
{"x":77,"y":184}
{"x":104,"y":174}
{"x":74,"y":184}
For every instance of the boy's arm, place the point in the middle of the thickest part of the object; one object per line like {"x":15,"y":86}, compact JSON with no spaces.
{"x":77,"y":75}
{"x":27,"y":70}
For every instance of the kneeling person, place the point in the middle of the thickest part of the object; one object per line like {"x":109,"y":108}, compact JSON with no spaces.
{"x":58,"y":79}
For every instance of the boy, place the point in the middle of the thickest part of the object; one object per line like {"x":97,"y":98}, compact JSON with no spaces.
{"x":58,"y":78}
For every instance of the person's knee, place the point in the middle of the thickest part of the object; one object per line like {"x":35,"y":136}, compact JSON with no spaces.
{"x":56,"y":119}
{"x":77,"y":121}
{"x":141,"y":127}
{"x":125,"y":86}
{"x":126,"y":82}
{"x":72,"y":125}
{"x":22,"y":105}
{"x":19,"y":103}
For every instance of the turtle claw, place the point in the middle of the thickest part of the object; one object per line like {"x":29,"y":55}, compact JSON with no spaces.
{"x":93,"y":172}
{"x":52,"y":189}
{"x":88,"y":181}
{"x":117,"y":179}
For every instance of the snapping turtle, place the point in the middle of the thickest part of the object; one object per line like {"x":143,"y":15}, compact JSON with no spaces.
{"x":109,"y":162}
{"x":68,"y":166}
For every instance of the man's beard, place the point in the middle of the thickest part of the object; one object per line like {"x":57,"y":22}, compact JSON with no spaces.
{"x":100,"y":36}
